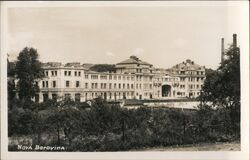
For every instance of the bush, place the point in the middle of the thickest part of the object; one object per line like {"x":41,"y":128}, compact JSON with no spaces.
{"x":105,"y":127}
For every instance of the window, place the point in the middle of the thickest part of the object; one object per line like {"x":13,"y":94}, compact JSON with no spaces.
{"x":110,"y":85}
{"x":54,"y":97}
{"x":127,"y":86}
{"x":53,"y":84}
{"x":43,"y":84}
{"x":47,"y":84}
{"x":77,"y":97}
{"x":132,"y":86}
{"x":86,"y":76}
{"x":53,"y":73}
{"x":94,"y":76}
{"x":67,"y":83}
{"x":69,"y":73}
{"x":37,"y":98}
{"x":110,"y":95}
{"x":123,"y":86}
{"x":103,"y":77}
{"x":114,"y":86}
{"x":45,"y":97}
{"x":65,"y":73}
{"x":86,"y":85}
{"x":79,"y":74}
{"x":67,"y":96}
{"x":75,"y":73}
{"x":119,"y":86}
{"x":46,"y":73}
{"x":110,"y":77}
{"x":77,"y":84}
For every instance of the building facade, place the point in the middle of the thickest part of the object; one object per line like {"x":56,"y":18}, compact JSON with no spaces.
{"x":132,"y":79}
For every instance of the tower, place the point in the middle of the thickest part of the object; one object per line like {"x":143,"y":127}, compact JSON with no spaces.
{"x":222,"y":50}
{"x":234,"y":40}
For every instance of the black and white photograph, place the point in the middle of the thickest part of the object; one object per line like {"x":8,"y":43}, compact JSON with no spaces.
{"x":120,"y":80}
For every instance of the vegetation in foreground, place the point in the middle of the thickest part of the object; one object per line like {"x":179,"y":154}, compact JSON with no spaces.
{"x":105,"y":127}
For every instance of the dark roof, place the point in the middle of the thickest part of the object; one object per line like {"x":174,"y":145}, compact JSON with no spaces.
{"x":51,"y":64}
{"x":129,"y":102}
{"x":187,"y":65}
{"x":134,"y":60}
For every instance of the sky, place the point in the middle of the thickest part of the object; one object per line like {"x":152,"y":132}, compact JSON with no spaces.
{"x":162,"y":36}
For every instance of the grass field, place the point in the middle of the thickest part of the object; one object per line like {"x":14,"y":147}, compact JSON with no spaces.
{"x":219,"y":146}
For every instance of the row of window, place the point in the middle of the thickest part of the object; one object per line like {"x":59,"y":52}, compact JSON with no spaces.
{"x":45,"y":84}
{"x":96,"y":76}
{"x":68,"y":73}
{"x":86,"y":96}
{"x":171,"y":79}
{"x":192,"y":72}
{"x":192,"y":86}
{"x":193,"y":79}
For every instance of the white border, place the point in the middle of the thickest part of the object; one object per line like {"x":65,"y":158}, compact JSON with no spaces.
{"x":211,"y":155}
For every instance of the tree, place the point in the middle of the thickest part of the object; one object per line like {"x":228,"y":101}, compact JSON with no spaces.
{"x":28,"y":69}
{"x":103,"y":68}
{"x":222,"y":87}
{"x":11,"y":79}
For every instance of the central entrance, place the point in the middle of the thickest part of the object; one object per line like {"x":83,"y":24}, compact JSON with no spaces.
{"x":166,"y":91}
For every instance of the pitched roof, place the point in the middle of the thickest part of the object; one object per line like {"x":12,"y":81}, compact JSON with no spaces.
{"x":187,"y":65}
{"x":134,"y":60}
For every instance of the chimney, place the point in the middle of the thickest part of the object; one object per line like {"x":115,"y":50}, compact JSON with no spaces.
{"x":222,"y":50}
{"x":234,"y":40}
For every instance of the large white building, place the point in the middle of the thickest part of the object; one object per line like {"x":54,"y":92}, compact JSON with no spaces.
{"x":133,"y":79}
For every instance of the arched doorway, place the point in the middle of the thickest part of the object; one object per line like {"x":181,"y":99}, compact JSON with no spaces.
{"x":166,"y":90}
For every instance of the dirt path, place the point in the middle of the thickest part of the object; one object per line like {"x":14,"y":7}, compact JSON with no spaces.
{"x":232,"y":146}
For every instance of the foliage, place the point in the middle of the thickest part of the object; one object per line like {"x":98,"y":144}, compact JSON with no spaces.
{"x":222,"y":88}
{"x":107,"y":127}
{"x":103,"y":68}
{"x":11,"y":68}
{"x":27,"y":70}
